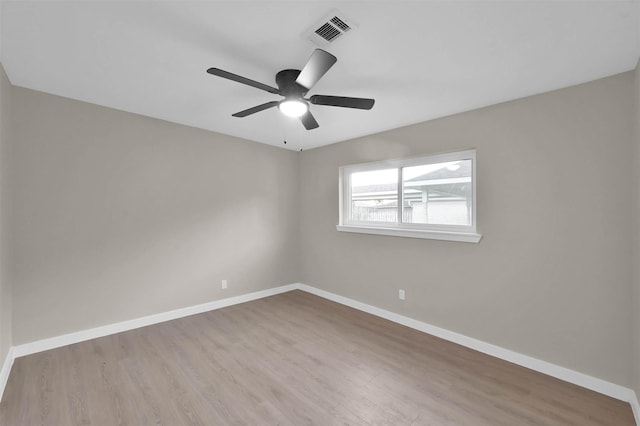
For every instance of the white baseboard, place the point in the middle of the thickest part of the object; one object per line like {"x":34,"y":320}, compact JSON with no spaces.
{"x":562,"y":373}
{"x":81,"y":336}
{"x":6,"y":369}
{"x":598,"y":385}
{"x":635,"y":406}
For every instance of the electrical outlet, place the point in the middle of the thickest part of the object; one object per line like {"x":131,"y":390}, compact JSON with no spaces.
{"x":401,"y":294}
{"x":224,"y":284}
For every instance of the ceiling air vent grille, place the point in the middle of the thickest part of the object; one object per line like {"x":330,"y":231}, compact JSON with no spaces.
{"x":329,"y":29}
{"x":340,"y":24}
{"x":328,"y":32}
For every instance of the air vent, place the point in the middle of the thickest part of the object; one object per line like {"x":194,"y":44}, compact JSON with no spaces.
{"x":340,"y":24}
{"x":329,"y":29}
{"x":328,"y":32}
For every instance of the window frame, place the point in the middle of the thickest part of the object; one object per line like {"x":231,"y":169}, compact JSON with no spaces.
{"x":463,"y":233}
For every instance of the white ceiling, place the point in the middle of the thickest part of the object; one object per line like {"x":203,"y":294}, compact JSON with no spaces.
{"x":419,"y":59}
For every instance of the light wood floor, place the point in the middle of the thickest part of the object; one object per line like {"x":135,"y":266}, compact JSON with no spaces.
{"x":291,"y":359}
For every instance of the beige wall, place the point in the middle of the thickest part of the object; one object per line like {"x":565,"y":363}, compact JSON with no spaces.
{"x":635,"y":261}
{"x":550,"y":277}
{"x":118,"y":216}
{"x":115,"y":216}
{"x":6,"y":301}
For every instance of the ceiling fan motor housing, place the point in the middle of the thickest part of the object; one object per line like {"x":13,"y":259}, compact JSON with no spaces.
{"x":286,"y":81}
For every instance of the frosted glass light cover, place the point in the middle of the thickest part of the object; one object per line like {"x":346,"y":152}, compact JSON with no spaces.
{"x":293,"y":108}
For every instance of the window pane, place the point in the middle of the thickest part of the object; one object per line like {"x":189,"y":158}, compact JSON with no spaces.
{"x":438,"y":193}
{"x":374,"y":196}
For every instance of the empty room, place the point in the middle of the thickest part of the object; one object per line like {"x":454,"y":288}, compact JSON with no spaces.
{"x":313,"y":212}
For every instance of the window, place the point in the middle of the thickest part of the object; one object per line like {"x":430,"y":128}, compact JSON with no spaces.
{"x":427,"y":197}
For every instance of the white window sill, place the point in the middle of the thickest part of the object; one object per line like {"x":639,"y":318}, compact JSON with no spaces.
{"x":466,"y":237}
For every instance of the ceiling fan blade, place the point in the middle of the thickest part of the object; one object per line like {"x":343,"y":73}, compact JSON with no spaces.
{"x":255,"y":109}
{"x":230,"y":76}
{"x":308,"y":121}
{"x":317,"y":65}
{"x":342,"y":101}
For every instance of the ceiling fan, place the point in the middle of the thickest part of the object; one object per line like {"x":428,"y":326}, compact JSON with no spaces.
{"x":293,"y":85}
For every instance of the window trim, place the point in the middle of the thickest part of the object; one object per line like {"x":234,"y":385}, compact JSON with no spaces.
{"x":462,"y":233}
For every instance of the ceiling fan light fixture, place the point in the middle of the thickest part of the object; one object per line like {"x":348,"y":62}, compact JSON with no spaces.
{"x":293,"y":85}
{"x":293,"y":107}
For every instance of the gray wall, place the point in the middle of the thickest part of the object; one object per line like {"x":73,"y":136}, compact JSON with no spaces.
{"x":635,"y":261}
{"x":6,"y":300}
{"x":551,"y":276}
{"x":117,"y":216}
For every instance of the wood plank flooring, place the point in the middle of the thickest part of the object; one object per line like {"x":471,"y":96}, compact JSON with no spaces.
{"x":290,"y":359}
